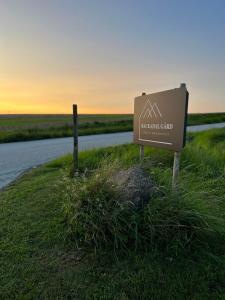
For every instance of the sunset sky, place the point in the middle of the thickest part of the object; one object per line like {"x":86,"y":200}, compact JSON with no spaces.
{"x":101,"y":54}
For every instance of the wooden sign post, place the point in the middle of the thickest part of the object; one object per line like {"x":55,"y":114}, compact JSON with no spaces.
{"x":160,"y":120}
{"x":176,"y":167}
{"x":75,"y":140}
{"x":176,"y":161}
{"x":142,"y":149}
{"x":142,"y":153}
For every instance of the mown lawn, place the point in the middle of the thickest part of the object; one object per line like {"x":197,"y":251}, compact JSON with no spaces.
{"x":39,"y":261}
{"x":15,"y":128}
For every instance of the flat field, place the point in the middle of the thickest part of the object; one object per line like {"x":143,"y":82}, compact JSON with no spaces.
{"x":178,"y":251}
{"x":33,"y":127}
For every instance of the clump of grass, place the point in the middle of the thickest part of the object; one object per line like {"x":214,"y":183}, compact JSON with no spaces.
{"x":182,"y":221}
{"x":206,"y":153}
{"x":94,"y":213}
{"x":210,"y":138}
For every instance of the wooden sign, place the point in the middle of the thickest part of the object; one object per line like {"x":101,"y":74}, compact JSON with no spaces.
{"x":160,"y":119}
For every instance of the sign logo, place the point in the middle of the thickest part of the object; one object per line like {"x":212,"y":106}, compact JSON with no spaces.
{"x":151,"y":110}
{"x":151,"y":117}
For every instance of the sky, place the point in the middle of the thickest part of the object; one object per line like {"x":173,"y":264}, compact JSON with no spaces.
{"x":101,"y":54}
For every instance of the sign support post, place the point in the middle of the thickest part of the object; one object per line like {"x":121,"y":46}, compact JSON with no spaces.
{"x":176,"y":166}
{"x":142,"y":152}
{"x":75,"y":140}
{"x":142,"y":149}
{"x":176,"y":162}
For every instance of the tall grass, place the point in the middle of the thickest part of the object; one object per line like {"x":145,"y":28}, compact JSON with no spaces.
{"x":192,"y":217}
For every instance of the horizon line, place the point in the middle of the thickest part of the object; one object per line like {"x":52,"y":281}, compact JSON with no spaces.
{"x":94,"y":114}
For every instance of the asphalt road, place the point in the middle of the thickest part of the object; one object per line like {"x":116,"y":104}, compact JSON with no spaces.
{"x":15,"y":158}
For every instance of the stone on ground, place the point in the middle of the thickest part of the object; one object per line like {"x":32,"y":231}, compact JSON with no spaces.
{"x":134,"y":185}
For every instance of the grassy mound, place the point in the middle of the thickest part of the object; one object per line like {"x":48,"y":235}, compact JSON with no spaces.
{"x":94,"y":213}
{"x":186,"y":219}
{"x":178,"y":250}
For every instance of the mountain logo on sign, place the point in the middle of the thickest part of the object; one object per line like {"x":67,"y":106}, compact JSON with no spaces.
{"x":151,"y":110}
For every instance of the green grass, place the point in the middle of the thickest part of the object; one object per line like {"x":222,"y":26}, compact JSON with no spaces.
{"x":206,"y":118}
{"x":39,"y":261}
{"x":32,"y":127}
{"x":15,"y":128}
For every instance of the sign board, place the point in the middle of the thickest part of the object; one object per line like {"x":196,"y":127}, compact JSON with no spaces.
{"x":160,"y":119}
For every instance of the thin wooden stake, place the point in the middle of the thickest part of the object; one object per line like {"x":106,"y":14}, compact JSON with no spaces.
{"x":176,"y":162}
{"x":142,"y":152}
{"x":176,"y":166}
{"x":75,"y":140}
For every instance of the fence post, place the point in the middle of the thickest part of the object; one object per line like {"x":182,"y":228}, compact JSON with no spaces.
{"x":75,"y":140}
